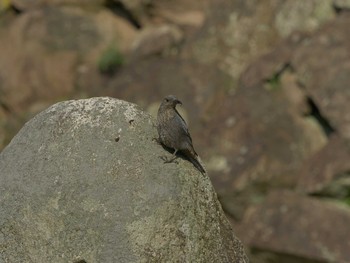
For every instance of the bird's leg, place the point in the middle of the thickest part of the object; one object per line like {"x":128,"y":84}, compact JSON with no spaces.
{"x":173,"y":157}
{"x":157,"y":140}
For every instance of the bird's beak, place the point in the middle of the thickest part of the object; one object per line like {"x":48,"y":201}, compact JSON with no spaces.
{"x":178,"y":102}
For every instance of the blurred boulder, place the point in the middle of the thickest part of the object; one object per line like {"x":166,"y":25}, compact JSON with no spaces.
{"x":26,"y":5}
{"x":297,"y":229}
{"x":235,"y":33}
{"x":322,"y":67}
{"x":156,"y":40}
{"x":342,"y":4}
{"x":327,"y":172}
{"x":42,"y":51}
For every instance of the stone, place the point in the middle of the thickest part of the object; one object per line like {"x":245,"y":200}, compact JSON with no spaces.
{"x":26,"y":5}
{"x":271,"y":63}
{"x":298,"y":227}
{"x":342,"y":4}
{"x":326,"y":168}
{"x":155,"y":12}
{"x":322,"y":68}
{"x":235,"y":33}
{"x":156,"y":40}
{"x":46,"y":53}
{"x":302,"y":16}
{"x":49,"y":45}
{"x":3,"y":117}
{"x":193,"y":18}
{"x":83,"y":180}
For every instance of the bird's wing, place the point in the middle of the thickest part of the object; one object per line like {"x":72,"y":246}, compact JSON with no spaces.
{"x":178,"y":114}
{"x":184,"y":126}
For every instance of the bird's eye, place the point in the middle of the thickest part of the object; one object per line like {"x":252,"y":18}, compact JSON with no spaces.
{"x":166,"y":100}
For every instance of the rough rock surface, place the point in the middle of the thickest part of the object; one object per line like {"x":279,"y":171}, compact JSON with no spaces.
{"x":237,"y":32}
{"x":54,"y":47}
{"x":153,"y":41}
{"x":322,"y":66}
{"x":304,"y":227}
{"x":327,"y":172}
{"x":25,"y":5}
{"x":342,"y":4}
{"x":83,"y":181}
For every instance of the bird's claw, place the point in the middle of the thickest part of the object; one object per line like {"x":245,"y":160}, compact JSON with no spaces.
{"x":157,"y":140}
{"x":166,"y":160}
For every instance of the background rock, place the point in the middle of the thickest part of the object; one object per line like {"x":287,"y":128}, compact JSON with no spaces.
{"x":322,"y":67}
{"x":326,"y":168}
{"x":52,"y":53}
{"x":263,"y":85}
{"x":305,"y":16}
{"x":83,"y":180}
{"x":25,"y":5}
{"x":342,"y":4}
{"x":156,"y":40}
{"x":299,"y":229}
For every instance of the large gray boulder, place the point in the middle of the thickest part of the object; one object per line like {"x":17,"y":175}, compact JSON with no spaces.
{"x":83,"y":181}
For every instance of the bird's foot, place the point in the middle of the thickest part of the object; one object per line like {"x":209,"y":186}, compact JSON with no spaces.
{"x":168,"y":160}
{"x":157,"y":140}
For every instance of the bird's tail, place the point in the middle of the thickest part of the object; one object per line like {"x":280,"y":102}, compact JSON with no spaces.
{"x":197,"y":163}
{"x":195,"y":160}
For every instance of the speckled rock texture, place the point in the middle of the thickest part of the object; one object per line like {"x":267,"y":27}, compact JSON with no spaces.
{"x":83,"y":181}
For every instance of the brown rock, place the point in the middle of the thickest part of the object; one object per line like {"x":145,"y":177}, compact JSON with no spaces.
{"x":155,"y":11}
{"x":267,"y":136}
{"x":137,"y":7}
{"x":47,"y":52}
{"x":231,"y":39}
{"x":25,"y":5}
{"x":156,"y":40}
{"x":325,"y":168}
{"x":295,"y":95}
{"x":322,"y":66}
{"x":307,"y":228}
{"x":305,"y":16}
{"x":43,"y":49}
{"x":342,"y":4}
{"x":272,"y":63}
{"x":2,"y":127}
{"x":190,"y":18}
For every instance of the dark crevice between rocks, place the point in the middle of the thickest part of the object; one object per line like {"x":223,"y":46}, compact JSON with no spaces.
{"x":327,"y":128}
{"x":339,"y":9}
{"x":337,"y":190}
{"x":274,"y":82}
{"x":15,"y":10}
{"x":5,"y":107}
{"x":261,"y":255}
{"x":119,"y":9}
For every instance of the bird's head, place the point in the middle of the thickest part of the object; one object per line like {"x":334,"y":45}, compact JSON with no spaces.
{"x":171,"y":101}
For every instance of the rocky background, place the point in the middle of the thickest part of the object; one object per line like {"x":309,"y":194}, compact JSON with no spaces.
{"x":264,"y":85}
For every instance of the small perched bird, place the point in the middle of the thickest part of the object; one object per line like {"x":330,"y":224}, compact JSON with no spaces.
{"x":173,"y":132}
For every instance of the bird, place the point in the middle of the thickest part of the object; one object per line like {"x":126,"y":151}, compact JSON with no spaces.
{"x":173,"y":132}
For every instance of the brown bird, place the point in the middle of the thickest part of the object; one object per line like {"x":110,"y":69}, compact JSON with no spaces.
{"x":173,"y":132}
